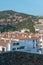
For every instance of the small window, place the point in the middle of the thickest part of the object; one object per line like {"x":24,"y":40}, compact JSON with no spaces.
{"x":22,"y":47}
{"x":33,"y":40}
{"x":18,"y":48}
{"x":14,"y":43}
{"x":36,"y":40}
{"x":37,"y":50}
{"x":14,"y":49}
{"x":3,"y":49}
{"x":17,"y":43}
{"x":36,"y":44}
{"x":33,"y":47}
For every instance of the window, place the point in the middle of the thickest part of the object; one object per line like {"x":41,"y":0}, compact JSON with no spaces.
{"x":22,"y":47}
{"x":36,"y":44}
{"x":3,"y":49}
{"x":33,"y":43}
{"x":15,"y":43}
{"x":33,"y":47}
{"x":37,"y":50}
{"x":18,"y":48}
{"x":14,"y":49}
{"x":33,"y":40}
{"x":36,"y":40}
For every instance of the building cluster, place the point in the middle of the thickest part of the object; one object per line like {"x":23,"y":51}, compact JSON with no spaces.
{"x":19,"y":41}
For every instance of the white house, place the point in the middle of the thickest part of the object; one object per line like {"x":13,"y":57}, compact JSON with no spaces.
{"x":21,"y":42}
{"x":25,"y":30}
{"x":24,"y":42}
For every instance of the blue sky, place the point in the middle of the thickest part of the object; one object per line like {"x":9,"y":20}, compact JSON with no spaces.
{"x":33,"y":7}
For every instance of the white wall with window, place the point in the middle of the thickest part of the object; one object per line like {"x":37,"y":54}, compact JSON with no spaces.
{"x":23,"y":45}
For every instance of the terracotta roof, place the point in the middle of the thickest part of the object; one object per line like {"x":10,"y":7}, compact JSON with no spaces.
{"x":15,"y":36}
{"x":36,"y":36}
{"x":20,"y":36}
{"x":2,"y":42}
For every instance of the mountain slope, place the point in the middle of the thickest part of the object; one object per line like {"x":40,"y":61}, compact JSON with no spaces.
{"x":11,"y":20}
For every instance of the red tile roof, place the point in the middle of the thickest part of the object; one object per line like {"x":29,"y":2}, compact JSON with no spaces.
{"x":2,"y":42}
{"x":18,"y":36}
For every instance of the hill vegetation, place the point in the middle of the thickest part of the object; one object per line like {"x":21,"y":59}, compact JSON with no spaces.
{"x":11,"y":21}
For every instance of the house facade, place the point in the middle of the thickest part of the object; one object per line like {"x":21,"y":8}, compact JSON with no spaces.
{"x":29,"y":45}
{"x":21,"y":42}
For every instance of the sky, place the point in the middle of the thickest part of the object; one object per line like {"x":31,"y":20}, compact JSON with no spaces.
{"x":33,"y":7}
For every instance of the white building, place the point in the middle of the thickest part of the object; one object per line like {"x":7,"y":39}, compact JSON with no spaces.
{"x":23,"y":45}
{"x":21,"y":42}
{"x":24,"y":42}
{"x":25,"y":30}
{"x":38,"y":28}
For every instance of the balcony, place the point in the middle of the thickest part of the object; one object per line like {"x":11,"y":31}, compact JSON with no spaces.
{"x":40,"y":45}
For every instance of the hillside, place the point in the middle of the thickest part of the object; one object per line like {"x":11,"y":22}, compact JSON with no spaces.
{"x":11,"y":21}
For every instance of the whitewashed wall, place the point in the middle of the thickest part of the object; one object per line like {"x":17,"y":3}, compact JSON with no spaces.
{"x":28,"y":45}
{"x":8,"y":48}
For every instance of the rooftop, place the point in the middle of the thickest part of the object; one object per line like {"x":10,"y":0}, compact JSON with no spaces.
{"x":12,"y":36}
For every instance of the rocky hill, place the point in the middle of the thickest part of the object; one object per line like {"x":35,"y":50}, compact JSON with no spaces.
{"x":11,"y":21}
